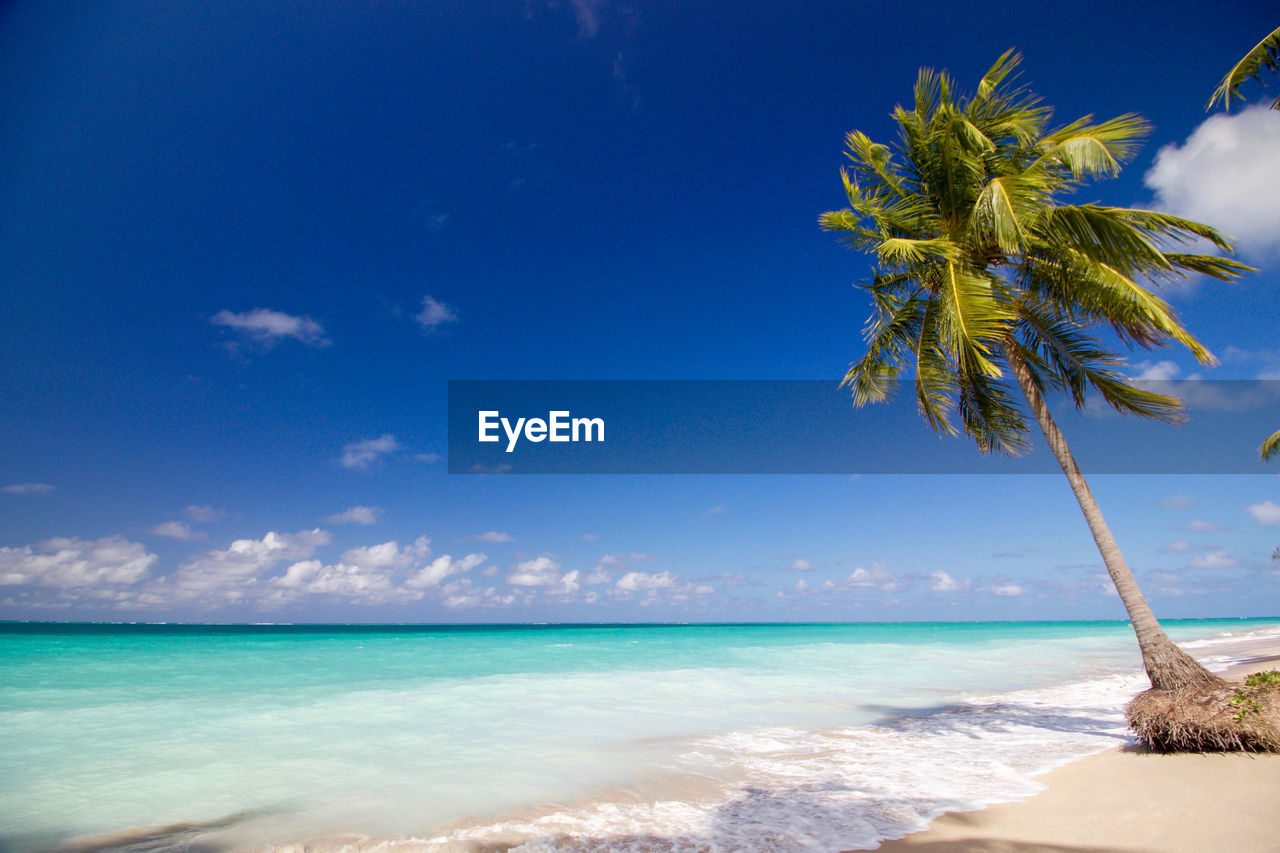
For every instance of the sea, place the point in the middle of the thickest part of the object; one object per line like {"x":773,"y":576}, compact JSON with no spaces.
{"x":753,"y":738}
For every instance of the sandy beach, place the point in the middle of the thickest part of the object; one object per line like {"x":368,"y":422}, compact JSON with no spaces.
{"x":1129,"y":801}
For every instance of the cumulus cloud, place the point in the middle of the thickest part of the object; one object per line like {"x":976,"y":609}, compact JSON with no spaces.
{"x":540,"y":571}
{"x":800,"y":565}
{"x":264,"y":328}
{"x":361,"y":454}
{"x":1156,"y":370}
{"x":634,"y":581}
{"x":940,"y":581}
{"x":492,"y":536}
{"x":356,"y":583}
{"x":435,"y":314}
{"x":567,"y":586}
{"x":1179,"y":546}
{"x":230,"y":571}
{"x":1267,"y":512}
{"x":1199,"y":525}
{"x":370,"y":574}
{"x":1224,"y":175}
{"x":203,"y":514}
{"x":598,"y":575}
{"x":27,"y":488}
{"x":356,"y":515}
{"x":1008,"y":589}
{"x":460,"y":594}
{"x":442,"y":567}
{"x":877,"y":576}
{"x":72,"y":562}
{"x":1215,"y":560}
{"x":388,"y":555}
{"x":179,"y":530}
{"x":1177,"y":502}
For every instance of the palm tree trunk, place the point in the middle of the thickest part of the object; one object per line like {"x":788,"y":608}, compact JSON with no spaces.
{"x":1168,"y":666}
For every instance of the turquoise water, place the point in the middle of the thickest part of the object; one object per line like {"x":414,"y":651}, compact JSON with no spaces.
{"x":289,"y":732}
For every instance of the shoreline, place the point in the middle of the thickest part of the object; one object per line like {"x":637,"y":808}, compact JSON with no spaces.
{"x":832,"y":790}
{"x":1128,"y":800}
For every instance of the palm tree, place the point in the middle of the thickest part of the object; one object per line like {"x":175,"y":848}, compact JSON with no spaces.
{"x":1266,"y":54}
{"x":982,"y":272}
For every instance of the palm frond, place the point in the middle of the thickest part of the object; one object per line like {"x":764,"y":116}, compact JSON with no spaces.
{"x":1098,"y":234}
{"x":1081,"y":286}
{"x":996,"y":217}
{"x":1099,"y":149}
{"x":1271,"y":446}
{"x":1264,"y":56}
{"x":991,"y":418}
{"x":969,"y":318}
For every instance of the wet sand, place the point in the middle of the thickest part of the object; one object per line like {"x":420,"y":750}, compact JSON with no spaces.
{"x":1129,"y":801}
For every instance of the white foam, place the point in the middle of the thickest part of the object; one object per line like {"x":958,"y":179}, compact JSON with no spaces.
{"x":843,"y":788}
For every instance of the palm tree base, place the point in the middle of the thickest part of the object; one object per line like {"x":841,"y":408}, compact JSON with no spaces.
{"x":1221,"y":717}
{"x":1169,"y":667}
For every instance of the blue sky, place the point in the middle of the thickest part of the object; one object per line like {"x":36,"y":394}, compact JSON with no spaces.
{"x":244,"y":248}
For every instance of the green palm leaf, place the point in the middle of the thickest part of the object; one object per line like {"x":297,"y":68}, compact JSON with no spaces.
{"x":1264,"y":56}
{"x":1271,"y":446}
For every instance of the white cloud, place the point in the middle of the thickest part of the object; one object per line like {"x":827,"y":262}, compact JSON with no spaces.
{"x":1225,"y":175}
{"x":633,"y":581}
{"x":264,"y":328}
{"x":27,"y":488}
{"x":435,"y":314}
{"x":715,"y":510}
{"x":461,"y":594}
{"x":428,"y":458}
{"x":1199,"y":525}
{"x":362,"y":454}
{"x":1267,"y":512}
{"x":589,"y":537}
{"x":356,"y":515}
{"x":1008,"y":589}
{"x":598,"y":575}
{"x":1156,"y":371}
{"x":203,"y":514}
{"x":368,"y":574}
{"x":1177,"y":502}
{"x":389,"y":555}
{"x":801,"y":586}
{"x":179,"y":530}
{"x":442,"y":567}
{"x":940,"y":581}
{"x":877,"y":576}
{"x":72,"y":562}
{"x":370,"y":585}
{"x":492,"y":536}
{"x":1215,"y":560}
{"x":540,"y":571}
{"x":231,"y":571}
{"x":1179,"y":546}
{"x":568,"y":585}
{"x":800,"y":565}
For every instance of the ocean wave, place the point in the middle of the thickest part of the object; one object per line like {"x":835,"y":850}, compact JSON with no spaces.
{"x":788,"y":790}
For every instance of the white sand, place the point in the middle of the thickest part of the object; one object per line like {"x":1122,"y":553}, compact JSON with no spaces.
{"x":1129,"y":801}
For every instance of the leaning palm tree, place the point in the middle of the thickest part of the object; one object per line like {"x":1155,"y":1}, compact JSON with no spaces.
{"x":984,"y":273}
{"x":1265,"y":55}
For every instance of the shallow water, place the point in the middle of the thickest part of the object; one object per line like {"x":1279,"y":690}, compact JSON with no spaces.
{"x":743,"y":737}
